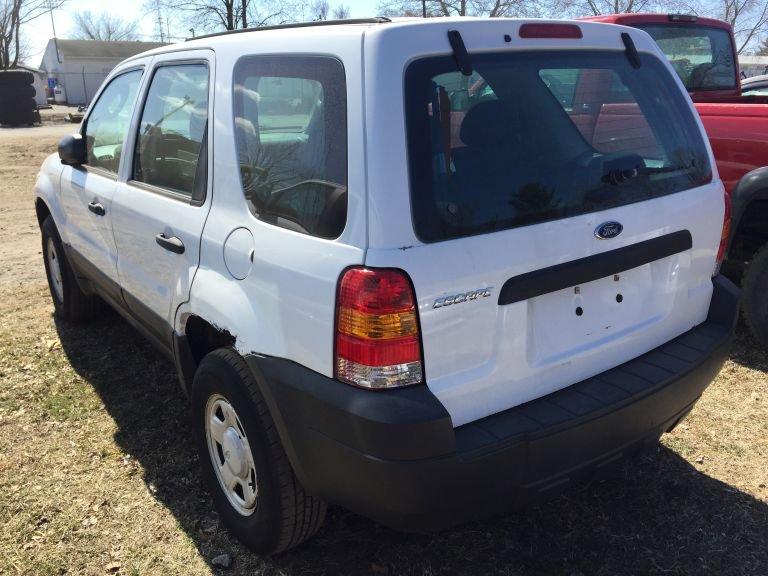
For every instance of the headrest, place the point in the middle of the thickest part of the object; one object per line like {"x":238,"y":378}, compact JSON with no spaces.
{"x":489,"y":123}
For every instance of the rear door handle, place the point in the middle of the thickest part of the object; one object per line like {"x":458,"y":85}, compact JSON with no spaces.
{"x":172,"y":244}
{"x":97,"y":208}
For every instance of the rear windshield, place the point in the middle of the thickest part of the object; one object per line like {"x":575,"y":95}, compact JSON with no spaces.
{"x":537,"y":136}
{"x":701,"y":56}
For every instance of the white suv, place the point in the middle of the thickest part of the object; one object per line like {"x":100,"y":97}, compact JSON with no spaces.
{"x":424,"y":269}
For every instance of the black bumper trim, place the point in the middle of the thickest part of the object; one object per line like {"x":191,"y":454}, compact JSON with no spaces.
{"x":394,"y":456}
{"x":603,"y":265}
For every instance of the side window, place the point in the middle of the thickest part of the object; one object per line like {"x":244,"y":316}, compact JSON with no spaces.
{"x":562,"y":84}
{"x":604,"y":110}
{"x":291,"y":135}
{"x":172,"y":129}
{"x":108,"y":121}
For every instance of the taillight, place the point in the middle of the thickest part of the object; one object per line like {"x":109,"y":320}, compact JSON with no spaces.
{"x":725,"y":234}
{"x":377,"y":331}
{"x":682,"y":17}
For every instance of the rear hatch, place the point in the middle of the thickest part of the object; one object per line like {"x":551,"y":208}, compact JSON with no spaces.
{"x":555,"y":206}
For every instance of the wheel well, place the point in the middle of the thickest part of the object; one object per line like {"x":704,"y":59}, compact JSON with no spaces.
{"x":752,"y":233}
{"x":42,"y":211}
{"x":204,"y":337}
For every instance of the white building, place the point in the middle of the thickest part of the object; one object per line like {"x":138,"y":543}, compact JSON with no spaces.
{"x":80,"y":66}
{"x":753,"y":65}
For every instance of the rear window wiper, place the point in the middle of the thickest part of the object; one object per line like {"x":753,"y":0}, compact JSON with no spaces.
{"x":630,"y":50}
{"x":622,"y":175}
{"x":460,"y":54}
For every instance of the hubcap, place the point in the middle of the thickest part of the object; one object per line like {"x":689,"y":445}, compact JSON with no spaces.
{"x":231,"y":454}
{"x":55,"y":270}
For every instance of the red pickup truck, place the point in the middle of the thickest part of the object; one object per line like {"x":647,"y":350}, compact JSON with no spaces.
{"x":703,"y":52}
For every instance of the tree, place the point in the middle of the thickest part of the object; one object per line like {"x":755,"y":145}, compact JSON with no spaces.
{"x":749,"y":19}
{"x":435,"y":8}
{"x":578,"y":8}
{"x":212,"y":15}
{"x":341,"y":12}
{"x":319,"y":10}
{"x":763,"y":49}
{"x":13,"y":15}
{"x":90,"y":26}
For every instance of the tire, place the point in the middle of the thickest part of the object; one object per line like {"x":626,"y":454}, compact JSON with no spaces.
{"x":282,"y":514}
{"x":24,"y":120}
{"x":15,"y":78}
{"x":19,"y":105}
{"x":18,"y":112}
{"x":69,"y":302}
{"x":754,"y":303}
{"x":15,"y":93}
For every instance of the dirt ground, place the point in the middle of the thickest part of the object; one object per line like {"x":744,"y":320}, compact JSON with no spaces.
{"x":98,"y":473}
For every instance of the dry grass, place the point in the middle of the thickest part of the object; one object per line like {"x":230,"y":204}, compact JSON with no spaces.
{"x":98,"y":474}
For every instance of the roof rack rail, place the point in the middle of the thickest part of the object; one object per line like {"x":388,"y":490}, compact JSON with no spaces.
{"x":376,"y":20}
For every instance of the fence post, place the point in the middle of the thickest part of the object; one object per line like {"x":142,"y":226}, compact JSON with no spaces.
{"x":85,"y":89}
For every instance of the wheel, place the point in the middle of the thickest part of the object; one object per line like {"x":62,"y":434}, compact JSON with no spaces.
{"x":754,"y":301}
{"x":244,"y":464}
{"x":69,"y":302}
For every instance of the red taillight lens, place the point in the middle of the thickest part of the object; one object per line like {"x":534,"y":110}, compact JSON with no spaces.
{"x":550,"y":31}
{"x":377,"y":333}
{"x":725,"y":234}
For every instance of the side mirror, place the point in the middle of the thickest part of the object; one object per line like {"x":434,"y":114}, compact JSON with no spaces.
{"x":72,"y":150}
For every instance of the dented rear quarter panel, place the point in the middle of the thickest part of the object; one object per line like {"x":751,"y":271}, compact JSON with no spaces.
{"x":284,"y":307}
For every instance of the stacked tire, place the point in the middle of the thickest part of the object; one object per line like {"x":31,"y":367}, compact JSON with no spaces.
{"x":17,"y":98}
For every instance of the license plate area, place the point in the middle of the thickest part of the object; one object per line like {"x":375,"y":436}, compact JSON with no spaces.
{"x":575,"y":320}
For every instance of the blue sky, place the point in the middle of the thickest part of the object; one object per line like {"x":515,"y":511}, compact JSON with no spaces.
{"x":38,"y":32}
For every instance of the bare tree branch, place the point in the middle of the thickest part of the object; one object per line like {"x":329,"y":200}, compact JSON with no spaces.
{"x":213,"y":15}
{"x":90,"y":26}
{"x":749,"y":19}
{"x":319,"y":10}
{"x":341,"y":12}
{"x":436,"y":8}
{"x":13,"y":15}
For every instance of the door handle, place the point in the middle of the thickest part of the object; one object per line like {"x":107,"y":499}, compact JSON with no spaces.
{"x":172,"y":244}
{"x":97,"y":208}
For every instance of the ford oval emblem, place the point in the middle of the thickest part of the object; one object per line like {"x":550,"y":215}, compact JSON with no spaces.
{"x":608,"y":230}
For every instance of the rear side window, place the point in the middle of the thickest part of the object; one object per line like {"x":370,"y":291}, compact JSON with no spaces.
{"x":701,"y":56}
{"x":291,"y":136}
{"x":108,"y":122}
{"x":537,"y":136}
{"x":172,"y":130}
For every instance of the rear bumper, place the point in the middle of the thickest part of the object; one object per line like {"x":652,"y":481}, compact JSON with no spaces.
{"x":394,"y":456}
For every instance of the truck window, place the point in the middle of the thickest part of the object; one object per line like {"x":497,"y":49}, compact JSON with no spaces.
{"x":556,"y":134}
{"x":701,"y":56}
{"x":172,"y":127}
{"x":291,"y":136}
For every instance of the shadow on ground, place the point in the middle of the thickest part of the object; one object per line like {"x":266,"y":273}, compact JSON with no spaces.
{"x":658,"y":515}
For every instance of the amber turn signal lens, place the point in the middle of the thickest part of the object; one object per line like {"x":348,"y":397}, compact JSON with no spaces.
{"x":372,"y":326}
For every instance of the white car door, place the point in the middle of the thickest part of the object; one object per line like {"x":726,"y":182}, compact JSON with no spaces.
{"x":87,"y":191}
{"x":159,"y":210}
